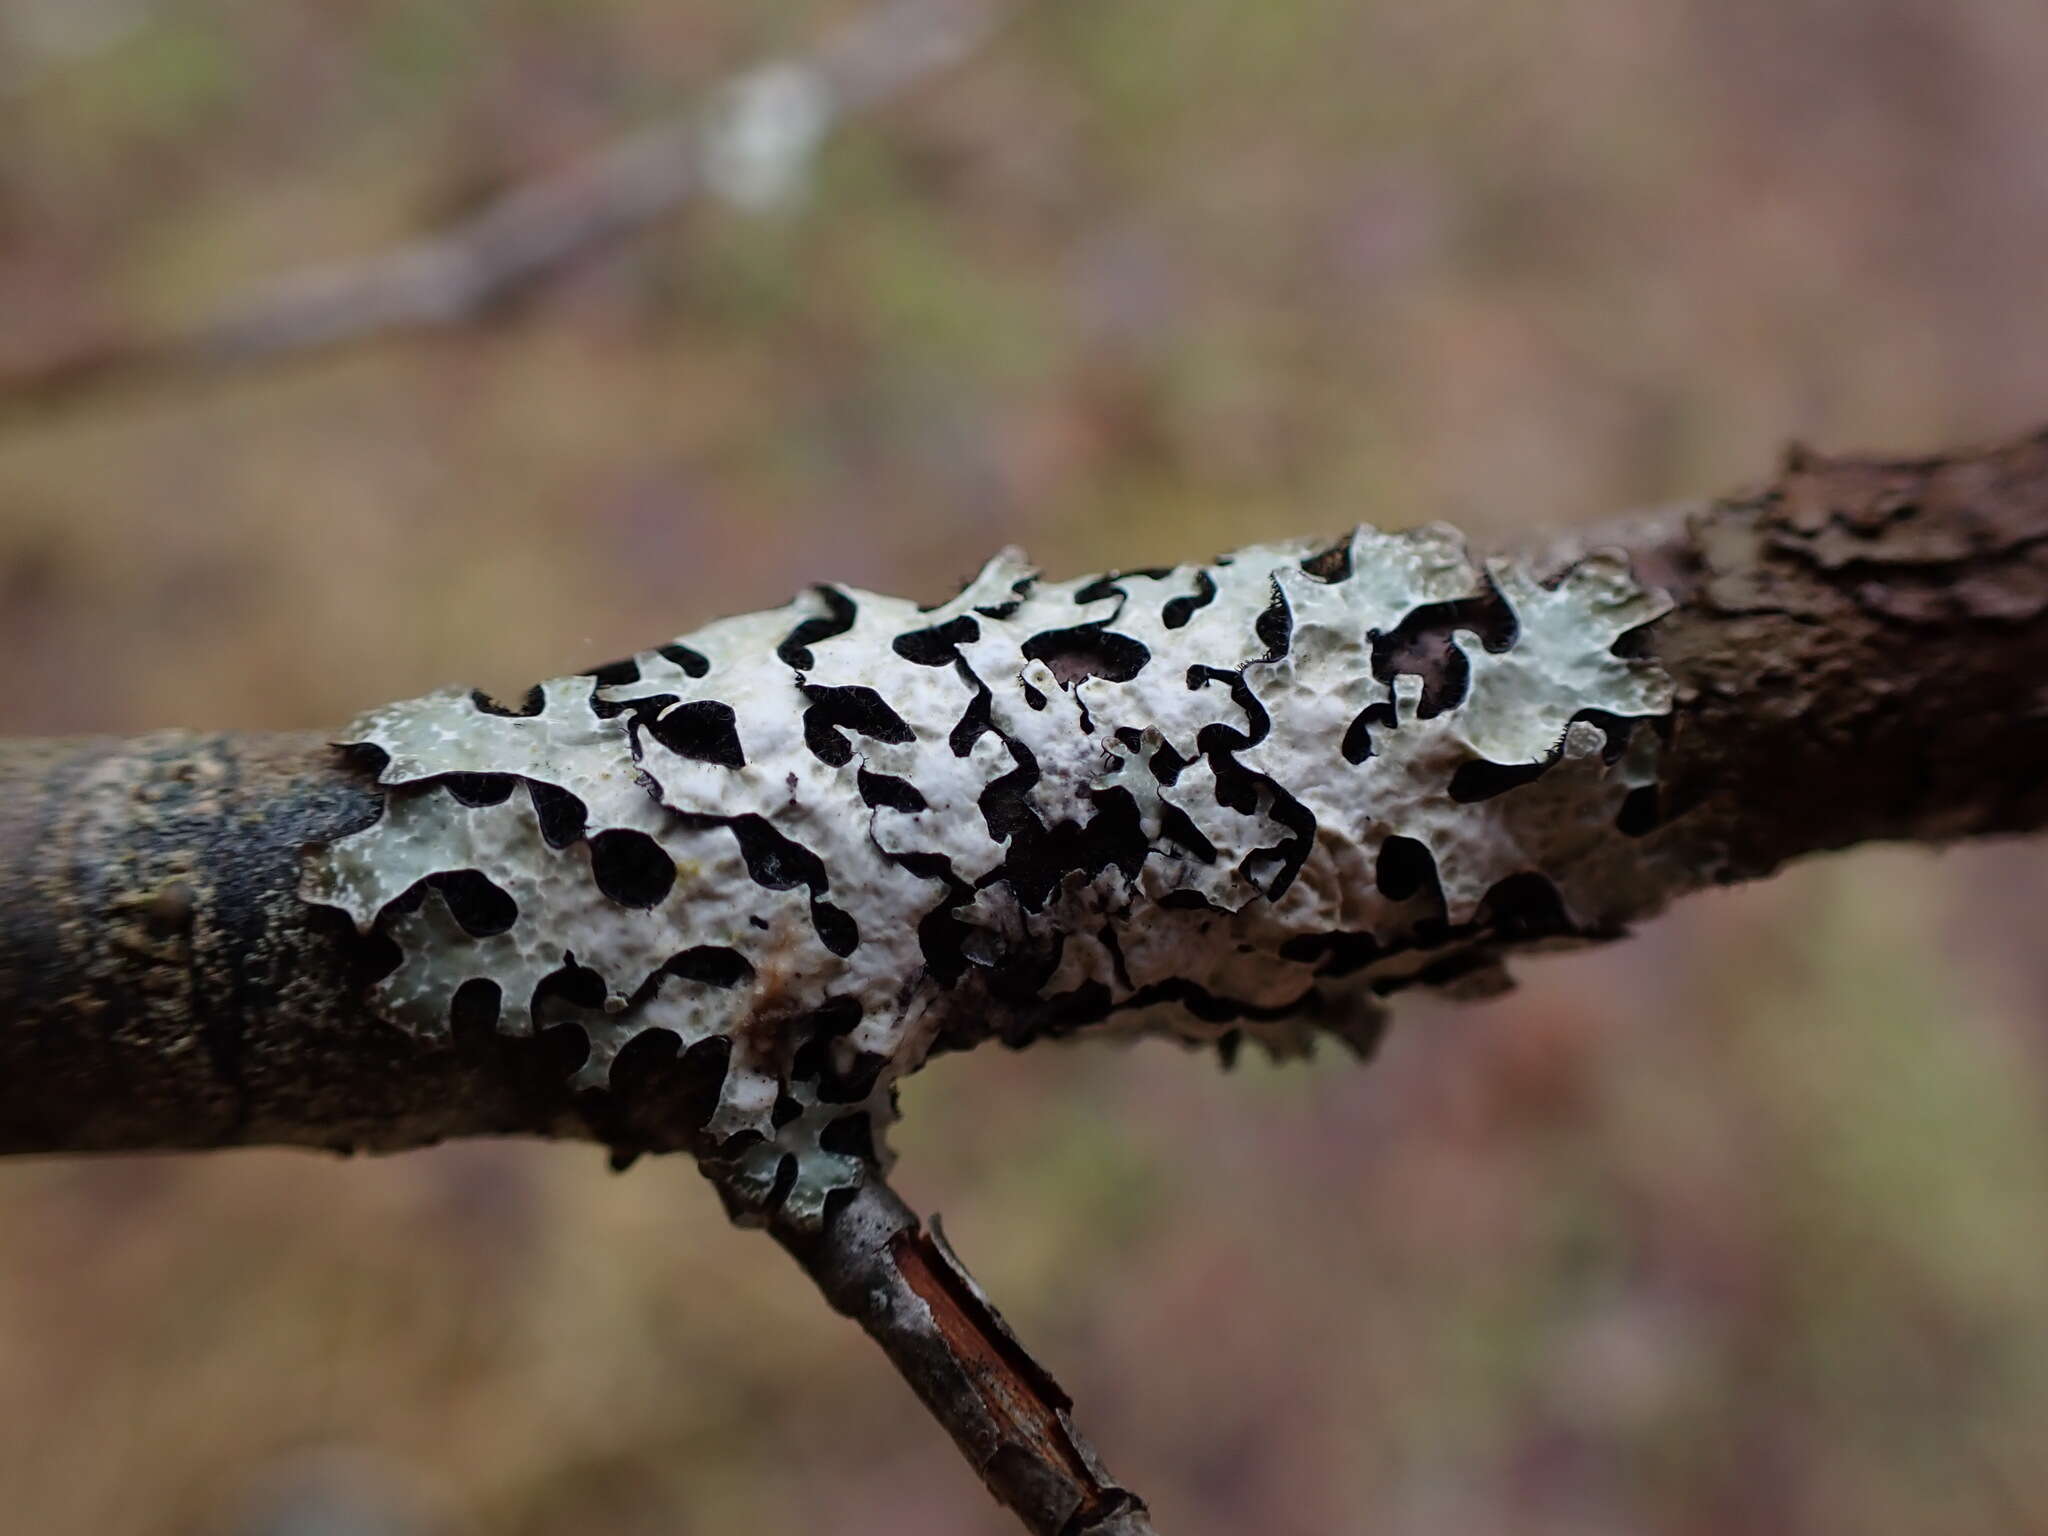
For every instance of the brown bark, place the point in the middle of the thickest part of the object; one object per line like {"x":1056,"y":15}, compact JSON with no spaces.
{"x":1862,"y":649}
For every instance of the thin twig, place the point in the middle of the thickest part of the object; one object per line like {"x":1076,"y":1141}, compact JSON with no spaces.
{"x":903,"y":1284}
{"x":749,"y":143}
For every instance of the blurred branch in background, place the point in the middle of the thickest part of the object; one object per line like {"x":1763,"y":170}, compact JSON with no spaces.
{"x":751,"y":144}
{"x":41,"y":37}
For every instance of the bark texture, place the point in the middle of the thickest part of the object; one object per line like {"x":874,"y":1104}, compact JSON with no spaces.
{"x":1862,"y":653}
{"x":166,"y":987}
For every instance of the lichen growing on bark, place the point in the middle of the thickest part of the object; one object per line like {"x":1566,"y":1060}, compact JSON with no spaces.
{"x":1224,"y":801}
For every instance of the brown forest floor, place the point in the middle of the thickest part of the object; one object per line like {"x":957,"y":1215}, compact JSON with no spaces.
{"x":1740,"y":1227}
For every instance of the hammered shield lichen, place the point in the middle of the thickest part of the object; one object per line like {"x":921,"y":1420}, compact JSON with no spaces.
{"x":1184,"y":801}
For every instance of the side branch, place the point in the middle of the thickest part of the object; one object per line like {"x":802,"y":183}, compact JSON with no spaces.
{"x":903,"y":1285}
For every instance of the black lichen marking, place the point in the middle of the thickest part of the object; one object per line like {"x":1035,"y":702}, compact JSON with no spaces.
{"x":1040,"y":856}
{"x":773,"y":860}
{"x":1178,"y":829}
{"x":615,"y":674}
{"x":703,"y":730}
{"x":939,"y":645}
{"x":1220,"y":738}
{"x":652,"y":1067}
{"x":795,"y":650}
{"x":1480,"y":780}
{"x":1405,"y":869}
{"x":693,"y":663}
{"x":1357,"y":744}
{"x":1525,"y":906}
{"x":834,"y":711}
{"x":478,"y":789}
{"x":1240,"y":789}
{"x":1167,"y":764}
{"x":942,"y":938}
{"x":782,"y":864}
{"x":1179,"y":611}
{"x":408,"y":900}
{"x":1004,"y":807}
{"x":370,"y":760}
{"x":785,"y":1181}
{"x":941,"y":935}
{"x":975,"y":721}
{"x":631,"y":868}
{"x":1112,"y":585}
{"x":1285,"y":858}
{"x":372,"y":956}
{"x":712,"y":964}
{"x":883,"y":791}
{"x":561,"y":816}
{"x":837,"y":930}
{"x":1087,"y":650}
{"x":533,"y":703}
{"x":474,"y":1009}
{"x":810,"y":1034}
{"x":478,"y":906}
{"x":1423,"y":644}
{"x":567,"y":989}
{"x":854,"y":1084}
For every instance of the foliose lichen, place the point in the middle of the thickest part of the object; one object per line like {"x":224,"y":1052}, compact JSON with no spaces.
{"x":1242,"y":800}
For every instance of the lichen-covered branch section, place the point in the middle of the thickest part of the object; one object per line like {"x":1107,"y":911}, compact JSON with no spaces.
{"x":721,"y":897}
{"x":808,"y":847}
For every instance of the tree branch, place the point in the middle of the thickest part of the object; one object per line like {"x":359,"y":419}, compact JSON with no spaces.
{"x":1858,"y":650}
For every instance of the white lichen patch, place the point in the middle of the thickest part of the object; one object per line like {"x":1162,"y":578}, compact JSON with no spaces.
{"x":832,"y":835}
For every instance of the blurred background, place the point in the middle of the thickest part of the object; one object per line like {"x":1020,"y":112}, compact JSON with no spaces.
{"x":1742,"y":1226}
